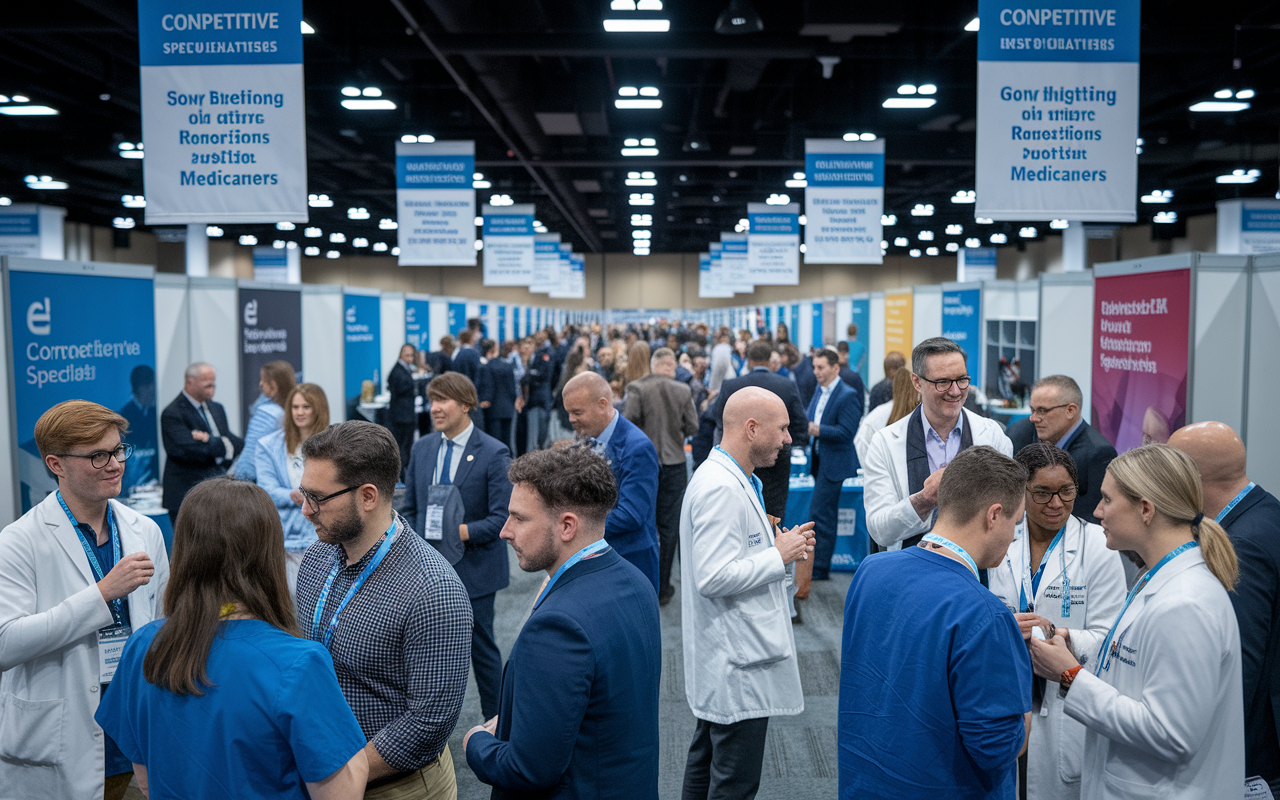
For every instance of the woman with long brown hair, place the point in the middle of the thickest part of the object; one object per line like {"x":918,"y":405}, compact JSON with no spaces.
{"x":224,"y":698}
{"x":275,"y":380}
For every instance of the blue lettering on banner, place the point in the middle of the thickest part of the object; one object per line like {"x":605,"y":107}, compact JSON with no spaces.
{"x":780,"y":224}
{"x":844,"y":169}
{"x":19,"y":224}
{"x":417,"y":323}
{"x":198,"y":32}
{"x":435,"y":172}
{"x":508,"y":225}
{"x":1040,"y":30}
{"x":1260,"y":219}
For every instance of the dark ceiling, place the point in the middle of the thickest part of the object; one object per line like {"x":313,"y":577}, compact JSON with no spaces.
{"x":533,"y":84}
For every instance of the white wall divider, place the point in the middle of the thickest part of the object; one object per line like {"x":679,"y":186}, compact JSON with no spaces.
{"x":1220,"y":332}
{"x":173,"y":340}
{"x":323,"y":344}
{"x":214,"y":331}
{"x":1262,"y":429}
{"x":926,"y":313}
{"x":473,"y":311}
{"x":392,"y":339}
{"x":803,"y":335}
{"x":844,"y":316}
{"x":1028,"y":298}
{"x":876,"y":350}
{"x":1066,"y":330}
{"x":439,"y":321}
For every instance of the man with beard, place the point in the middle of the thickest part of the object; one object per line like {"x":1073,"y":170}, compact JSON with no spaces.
{"x":388,"y":607}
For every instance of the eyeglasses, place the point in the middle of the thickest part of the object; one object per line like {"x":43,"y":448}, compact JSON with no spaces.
{"x":1043,"y":411}
{"x":99,"y":459}
{"x":1066,"y":494}
{"x":314,"y":502}
{"x":943,"y":385}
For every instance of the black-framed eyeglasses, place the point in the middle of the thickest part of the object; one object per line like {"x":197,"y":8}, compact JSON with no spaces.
{"x":315,"y":502}
{"x":1043,"y":411}
{"x":1066,"y":494}
{"x":99,"y":459}
{"x":943,"y":385}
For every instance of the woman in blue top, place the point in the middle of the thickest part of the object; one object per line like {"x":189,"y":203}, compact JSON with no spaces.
{"x":224,"y":698}
{"x":276,"y":380}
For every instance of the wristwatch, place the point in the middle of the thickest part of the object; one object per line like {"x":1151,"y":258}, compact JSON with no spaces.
{"x":1066,"y":679}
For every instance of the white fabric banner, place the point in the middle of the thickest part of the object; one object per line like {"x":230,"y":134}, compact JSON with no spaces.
{"x":435,"y":204}
{"x":844,"y":201}
{"x":546,"y":263}
{"x":508,"y":245}
{"x":773,"y":244}
{"x":734,"y":263}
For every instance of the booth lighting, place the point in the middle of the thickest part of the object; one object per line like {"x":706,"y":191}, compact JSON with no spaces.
{"x":123,"y":223}
{"x":1165,"y":217}
{"x":422,"y":138}
{"x":901,"y":241}
{"x":478,"y":181}
{"x":46,"y":182}
{"x":501,"y":200}
{"x":914,"y":252}
{"x":248,"y":240}
{"x":983,"y":220}
{"x":955,"y":229}
{"x":797,"y":181}
{"x":1158,"y":196}
{"x":1028,"y":232}
{"x":641,"y":179}
{"x":952,"y":247}
{"x":479,"y":244}
{"x":387,"y":224}
{"x":359,"y":241}
{"x":133,"y":201}
{"x":973,"y":241}
{"x":972,"y":25}
{"x":999,"y":238}
{"x":922,"y":210}
{"x":1240,"y":176}
{"x":925,"y":236}
{"x":307,"y":29}
{"x":213,"y":232}
{"x":637,"y":199}
{"x":311,"y":251}
{"x":357,"y":213}
{"x":337,"y":238}
{"x":1058,"y":224}
{"x":319,"y":201}
{"x":313,"y":233}
{"x":331,"y":254}
{"x":279,"y":244}
{"x":130,"y":150}
{"x":379,"y":247}
{"x":285,"y":226}
{"x":778,"y":199}
{"x":888,"y":219}
{"x":855,"y":137}
{"x":931,"y":251}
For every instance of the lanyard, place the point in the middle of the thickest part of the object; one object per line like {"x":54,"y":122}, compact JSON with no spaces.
{"x":117,"y":605}
{"x":1023,"y":605}
{"x":751,"y":479}
{"x":1104,"y":654}
{"x":934,"y":538}
{"x":1224,"y":512}
{"x":381,"y":553}
{"x":592,"y":550}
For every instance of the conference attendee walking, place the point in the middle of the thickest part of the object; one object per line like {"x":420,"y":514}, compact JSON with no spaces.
{"x":198,"y":443}
{"x":1055,"y":417}
{"x":1057,"y":575}
{"x":466,"y":359}
{"x":79,"y":573}
{"x":905,"y":461}
{"x":662,"y":407}
{"x":388,"y":607}
{"x":834,"y":414}
{"x":276,"y":381}
{"x":1161,"y":699}
{"x":402,"y":412}
{"x":721,"y":367}
{"x":225,"y":697}
{"x":280,"y":468}
{"x":455,"y":496}
{"x":631,"y":528}
{"x":538,"y":394}
{"x":1251,"y":517}
{"x":441,"y":361}
{"x":882,"y":392}
{"x":579,"y":708}
{"x":935,"y":682}
{"x":499,"y":396}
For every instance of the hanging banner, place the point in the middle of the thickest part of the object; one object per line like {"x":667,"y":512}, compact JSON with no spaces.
{"x":898,"y":319}
{"x":508,"y":245}
{"x":546,"y":263}
{"x":976,"y":264}
{"x":278,"y":264}
{"x":1058,"y":110}
{"x":708,"y":279}
{"x":962,"y":322}
{"x":61,"y":351}
{"x":734,"y":263}
{"x":417,"y":322}
{"x":435,"y":204}
{"x":773,"y":244}
{"x":270,"y":330}
{"x":223,"y":113}
{"x":844,"y":201}
{"x":363,"y":350}
{"x":31,"y":230}
{"x":1246,"y":227}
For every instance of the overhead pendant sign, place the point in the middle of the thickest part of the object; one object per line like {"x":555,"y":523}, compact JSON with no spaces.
{"x":546,"y":263}
{"x":734,"y":262}
{"x":773,"y":244}
{"x":435,"y":204}
{"x":508,"y":245}
{"x":1057,"y":110}
{"x":844,"y":201}
{"x":222,"y":111}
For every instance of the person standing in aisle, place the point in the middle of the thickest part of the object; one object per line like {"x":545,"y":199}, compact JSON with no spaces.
{"x":499,"y":396}
{"x":857,"y":350}
{"x":834,"y":414}
{"x":721,"y":360}
{"x":538,"y":401}
{"x":79,"y":573}
{"x":850,"y":376}
{"x":1161,"y":699}
{"x":140,"y":412}
{"x":882,"y":392}
{"x":441,"y":361}
{"x":402,"y":414}
{"x":276,"y":380}
{"x":198,"y":443}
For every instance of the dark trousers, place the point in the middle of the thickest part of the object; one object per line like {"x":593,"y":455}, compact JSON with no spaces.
{"x":499,"y":429}
{"x":725,"y":760}
{"x":775,"y":482}
{"x":824,"y":510}
{"x":673,"y":479}
{"x":404,"y":440}
{"x":522,"y":434}
{"x":486,"y":660}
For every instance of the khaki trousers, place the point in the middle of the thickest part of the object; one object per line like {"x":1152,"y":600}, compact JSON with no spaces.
{"x":435,"y":781}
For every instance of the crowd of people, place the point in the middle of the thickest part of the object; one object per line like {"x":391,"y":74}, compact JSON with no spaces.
{"x":1039,"y":616}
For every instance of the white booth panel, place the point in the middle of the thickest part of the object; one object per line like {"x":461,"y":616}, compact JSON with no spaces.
{"x":392,"y":338}
{"x":804,"y":334}
{"x":173,"y":340}
{"x":1262,"y":430}
{"x":1028,"y":298}
{"x":844,"y":318}
{"x":439,"y":321}
{"x":926,"y":313}
{"x":1221,"y":307}
{"x":876,"y":349}
{"x":1066,"y":330}
{"x":999,"y":300}
{"x":214,"y":331}
{"x":323,"y":344}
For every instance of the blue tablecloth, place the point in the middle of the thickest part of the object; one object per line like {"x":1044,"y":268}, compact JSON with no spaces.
{"x":852,"y":538}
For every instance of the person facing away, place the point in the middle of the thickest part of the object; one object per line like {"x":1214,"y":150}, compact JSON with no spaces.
{"x":579,"y":710}
{"x":935,"y":682}
{"x":197,"y":441}
{"x":882,"y":392}
{"x":276,"y":380}
{"x":402,"y":412}
{"x":225,"y":697}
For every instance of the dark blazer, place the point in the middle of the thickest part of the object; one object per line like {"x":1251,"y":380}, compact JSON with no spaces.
{"x":854,"y":381}
{"x":1254,"y":528}
{"x":537,"y":377}
{"x":1089,"y":449}
{"x":632,"y":525}
{"x":467,"y":361}
{"x":439,"y":362}
{"x":578,"y":717}
{"x":782,"y":387}
{"x":882,"y":393}
{"x":400,"y":384}
{"x":837,"y":460}
{"x":498,"y":382}
{"x":188,"y":461}
{"x":806,"y":382}
{"x":482,"y":481}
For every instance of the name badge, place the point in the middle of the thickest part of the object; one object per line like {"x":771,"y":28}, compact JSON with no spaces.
{"x":435,"y":523}
{"x":111,"y":642}
{"x":1256,"y":788}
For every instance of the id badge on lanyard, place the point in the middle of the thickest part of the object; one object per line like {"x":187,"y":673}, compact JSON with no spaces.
{"x":435,"y":523}
{"x":111,"y":642}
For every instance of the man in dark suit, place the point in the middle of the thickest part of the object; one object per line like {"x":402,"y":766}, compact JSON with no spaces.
{"x":1055,"y":418}
{"x":834,"y":414}
{"x":467,"y":359}
{"x":459,"y":454}
{"x":403,"y":415}
{"x":632,"y":528}
{"x":1251,"y":517}
{"x":850,"y":376}
{"x":441,"y":361}
{"x":198,"y":443}
{"x":538,"y":395}
{"x":805,"y":380}
{"x":579,"y":707}
{"x":497,"y":391}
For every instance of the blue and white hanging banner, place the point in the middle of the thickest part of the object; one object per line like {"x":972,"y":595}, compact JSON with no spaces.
{"x":962,"y":320}
{"x":33,"y":231}
{"x":578,"y":276}
{"x":861,"y":316}
{"x":277,"y":264}
{"x":362,"y":326}
{"x":417,"y":322}
{"x":718,"y":278}
{"x":435,"y":204}
{"x":1246,"y":226}
{"x":223,"y":115}
{"x":844,"y":201}
{"x":1058,"y":110}
{"x":734,"y":263}
{"x":976,"y":264}
{"x":773,"y":244}
{"x":508,"y":245}
{"x":708,"y":279}
{"x":572,"y":284}
{"x":546,"y":263}
{"x":562,"y":274}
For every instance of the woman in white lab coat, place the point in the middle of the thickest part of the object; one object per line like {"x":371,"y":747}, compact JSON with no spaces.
{"x":1161,"y":700}
{"x":1053,"y":550}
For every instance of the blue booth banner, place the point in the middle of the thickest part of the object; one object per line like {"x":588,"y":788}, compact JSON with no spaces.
{"x":861,"y":316}
{"x":223,"y":115}
{"x":562,"y":275}
{"x":1058,"y":110}
{"x":734,"y":263}
{"x":817,"y":330}
{"x":962,"y":323}
{"x":457,"y":318}
{"x":546,"y":263}
{"x":270,"y":330}
{"x":976,"y":264}
{"x":362,"y":319}
{"x":435,"y":204}
{"x":65,"y":351}
{"x":31,"y":230}
{"x":773,"y":244}
{"x":417,"y":322}
{"x":508,"y":244}
{"x":844,"y":201}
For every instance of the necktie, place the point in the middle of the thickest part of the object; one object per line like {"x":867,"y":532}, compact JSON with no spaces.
{"x":204,"y":416}
{"x":208,"y":420}
{"x":445,"y":477}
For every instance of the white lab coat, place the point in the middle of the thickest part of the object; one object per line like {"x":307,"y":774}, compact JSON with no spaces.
{"x":739,"y":651}
{"x":1097,"y":592}
{"x":872,"y":422}
{"x":890,"y":515}
{"x":1167,"y":719}
{"x":50,"y":612}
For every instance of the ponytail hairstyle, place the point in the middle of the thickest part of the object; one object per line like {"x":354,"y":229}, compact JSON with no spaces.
{"x":1169,"y":480}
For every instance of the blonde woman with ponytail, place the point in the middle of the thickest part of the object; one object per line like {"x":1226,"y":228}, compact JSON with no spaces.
{"x":1161,"y":700}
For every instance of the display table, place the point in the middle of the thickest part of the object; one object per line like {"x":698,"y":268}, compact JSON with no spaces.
{"x":852,"y":538}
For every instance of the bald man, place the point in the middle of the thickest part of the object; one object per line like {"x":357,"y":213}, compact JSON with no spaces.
{"x":1251,"y":516}
{"x":632,"y":527}
{"x":736,"y":566}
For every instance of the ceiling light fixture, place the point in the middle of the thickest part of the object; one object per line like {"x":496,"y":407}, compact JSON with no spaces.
{"x":999,"y":238}
{"x":1158,"y":196}
{"x":130,"y":150}
{"x":123,"y":223}
{"x":46,"y":182}
{"x":972,"y":25}
{"x":1059,"y":224}
{"x":797,"y":181}
{"x":641,"y":179}
{"x":922,"y":210}
{"x":907,"y":88}
{"x":778,"y":199}
{"x":914,"y":253}
{"x":925,"y":236}
{"x":901,"y":241}
{"x":422,"y":138}
{"x":307,"y":29}
{"x":888,"y":219}
{"x":931,"y":251}
{"x":1165,"y":217}
{"x":387,"y":224}
{"x":739,"y":18}
{"x":359,"y":241}
{"x":973,"y":241}
{"x":1028,"y":232}
{"x":25,"y":110}
{"x":909,"y":102}
{"x":332,"y":254}
{"x":337,"y":238}
{"x":213,"y":232}
{"x":952,"y":247}
{"x":638,"y":199}
{"x":955,"y":229}
{"x":248,"y":240}
{"x":319,"y":201}
{"x":983,"y":220}
{"x":479,"y":244}
{"x":395,"y":251}
{"x":1245,"y":94}
{"x":311,"y":251}
{"x":313,"y":233}
{"x":630,"y":98}
{"x":928,"y":88}
{"x":379,"y":247}
{"x":501,"y":200}
{"x":1205,"y":105}
{"x":357,"y":213}
{"x":133,"y":201}
{"x":1239,"y":176}
{"x":965,"y":196}
{"x":279,"y":244}
{"x":478,"y":181}
{"x":285,"y":226}
{"x":804,"y":220}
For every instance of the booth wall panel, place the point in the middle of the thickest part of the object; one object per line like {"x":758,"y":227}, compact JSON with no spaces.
{"x":876,"y":349}
{"x":392,"y":338}
{"x":9,"y":493}
{"x":844,"y":316}
{"x":323,"y":346}
{"x":173,"y":340}
{"x":1218,"y":374}
{"x":1263,"y":430}
{"x":439,"y":322}
{"x":1066,"y":333}
{"x":926,"y":311}
{"x":214,"y":332}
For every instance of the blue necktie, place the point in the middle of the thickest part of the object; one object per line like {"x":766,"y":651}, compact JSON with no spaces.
{"x":445,"y":477}
{"x":204,"y":416}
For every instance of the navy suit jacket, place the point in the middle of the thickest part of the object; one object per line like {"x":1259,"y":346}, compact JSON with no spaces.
{"x":482,"y":481}
{"x":578,"y":716}
{"x":467,"y":361}
{"x":632,"y":524}
{"x":400,"y":384}
{"x":439,"y":362}
{"x":188,"y":461}
{"x":854,"y":381}
{"x":837,"y":460}
{"x":806,"y":382}
{"x":498,"y":387}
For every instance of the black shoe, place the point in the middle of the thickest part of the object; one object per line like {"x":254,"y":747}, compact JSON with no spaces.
{"x":665,"y":595}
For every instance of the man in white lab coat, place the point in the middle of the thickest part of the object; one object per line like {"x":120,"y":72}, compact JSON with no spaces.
{"x":739,"y":652}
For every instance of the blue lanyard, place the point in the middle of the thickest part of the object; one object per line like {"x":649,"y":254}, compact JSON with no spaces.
{"x":1023,"y":605}
{"x":592,"y":550}
{"x":934,"y":538}
{"x":751,"y":479}
{"x":1224,"y":512}
{"x":1104,"y":654}
{"x":381,"y":553}
{"x":117,"y":605}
